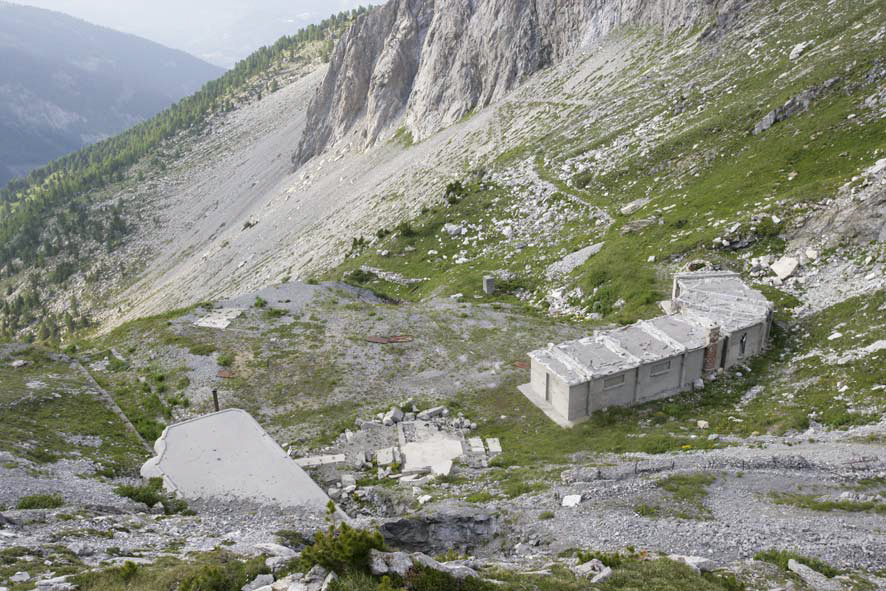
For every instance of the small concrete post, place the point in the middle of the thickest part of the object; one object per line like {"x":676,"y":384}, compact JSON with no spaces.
{"x":215,"y":399}
{"x":488,"y":285}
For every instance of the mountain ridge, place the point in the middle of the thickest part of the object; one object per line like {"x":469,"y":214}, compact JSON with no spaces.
{"x":410,"y":63}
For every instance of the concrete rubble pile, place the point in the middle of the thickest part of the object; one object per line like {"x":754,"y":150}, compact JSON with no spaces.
{"x":414,"y":447}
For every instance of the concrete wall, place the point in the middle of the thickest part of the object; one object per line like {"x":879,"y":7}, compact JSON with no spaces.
{"x":753,"y":346}
{"x":617,"y":396}
{"x":537,"y":376}
{"x":560,"y":399}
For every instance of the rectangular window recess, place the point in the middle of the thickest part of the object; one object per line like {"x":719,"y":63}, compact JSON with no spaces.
{"x":613,"y":382}
{"x":660,"y":368}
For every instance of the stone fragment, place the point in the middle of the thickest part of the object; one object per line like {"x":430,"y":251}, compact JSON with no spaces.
{"x":493,"y":445}
{"x":799,"y":49}
{"x":814,"y":579}
{"x":442,"y":469}
{"x":275,"y":549}
{"x":696,"y":563}
{"x":633,"y":206}
{"x":431,"y":413}
{"x":603,"y":576}
{"x":785,"y":267}
{"x":258,"y":582}
{"x":590,"y":568}
{"x":488,"y":285}
{"x":476,"y":445}
{"x":393,"y":416}
{"x":572,"y":261}
{"x":571,"y":500}
{"x":702,"y":424}
{"x":20,"y":577}
{"x":698,"y":384}
{"x":389,"y":563}
{"x":385,"y":456}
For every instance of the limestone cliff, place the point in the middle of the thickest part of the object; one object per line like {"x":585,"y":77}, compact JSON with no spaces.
{"x":430,"y":62}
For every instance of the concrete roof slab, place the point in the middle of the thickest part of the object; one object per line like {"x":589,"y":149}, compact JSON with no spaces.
{"x":228,"y":455}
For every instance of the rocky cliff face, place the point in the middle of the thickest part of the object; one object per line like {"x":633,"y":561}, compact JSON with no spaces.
{"x":427,"y":63}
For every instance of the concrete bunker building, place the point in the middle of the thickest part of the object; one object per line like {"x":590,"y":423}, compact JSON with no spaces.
{"x":713,"y":321}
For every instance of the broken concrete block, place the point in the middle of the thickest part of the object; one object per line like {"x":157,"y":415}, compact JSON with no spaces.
{"x":393,"y":416}
{"x":571,"y":500}
{"x":488,"y":285}
{"x":698,"y":384}
{"x":228,"y":455}
{"x":493,"y":445}
{"x":348,"y":480}
{"x":315,"y":461}
{"x":785,"y":267}
{"x":442,"y":469}
{"x":476,"y":445}
{"x":385,"y":456}
{"x":431,"y":413}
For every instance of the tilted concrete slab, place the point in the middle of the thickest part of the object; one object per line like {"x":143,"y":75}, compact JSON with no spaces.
{"x":220,"y":318}
{"x":228,"y":455}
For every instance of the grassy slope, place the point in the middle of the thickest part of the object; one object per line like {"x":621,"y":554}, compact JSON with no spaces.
{"x":699,"y":165}
{"x":48,"y":402}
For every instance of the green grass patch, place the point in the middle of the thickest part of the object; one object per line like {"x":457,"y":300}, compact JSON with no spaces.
{"x":42,"y":501}
{"x":781,"y":558}
{"x":815,"y":503}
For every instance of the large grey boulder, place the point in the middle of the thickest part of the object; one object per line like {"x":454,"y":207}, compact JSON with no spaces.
{"x":441,"y":532}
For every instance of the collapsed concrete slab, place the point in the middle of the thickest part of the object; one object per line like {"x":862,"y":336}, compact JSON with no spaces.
{"x":228,"y":455}
{"x":220,"y":318}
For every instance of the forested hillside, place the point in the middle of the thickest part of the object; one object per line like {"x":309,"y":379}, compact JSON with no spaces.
{"x":61,"y":190}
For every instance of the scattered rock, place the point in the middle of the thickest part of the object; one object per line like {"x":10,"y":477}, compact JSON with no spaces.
{"x":20,"y":577}
{"x":400,"y":563}
{"x":275,"y":550}
{"x":785,"y":267}
{"x":814,"y":579}
{"x":697,"y":563}
{"x":431,"y":413}
{"x":591,"y":568}
{"x":603,"y":576}
{"x":258,"y":582}
{"x":702,"y":424}
{"x":572,"y":261}
{"x":633,"y":206}
{"x":799,"y":49}
{"x":19,"y":363}
{"x":571,"y":500}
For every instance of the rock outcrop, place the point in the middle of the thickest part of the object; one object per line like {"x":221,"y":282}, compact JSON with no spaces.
{"x":425,"y":64}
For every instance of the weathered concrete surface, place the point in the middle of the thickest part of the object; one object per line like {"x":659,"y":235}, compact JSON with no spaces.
{"x":227,"y":454}
{"x":220,"y":318}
